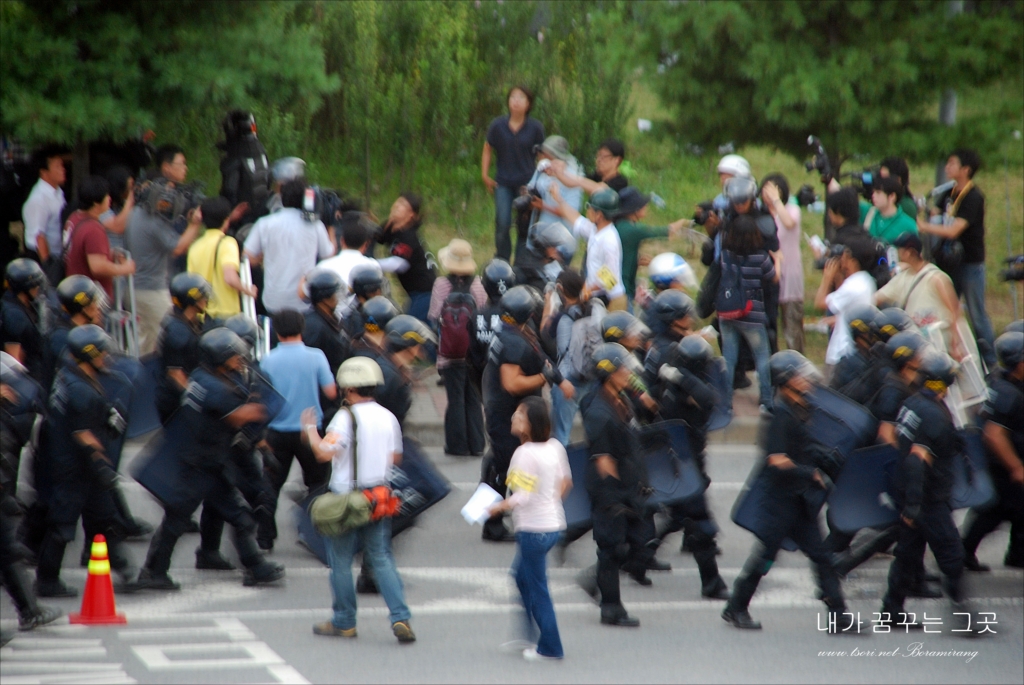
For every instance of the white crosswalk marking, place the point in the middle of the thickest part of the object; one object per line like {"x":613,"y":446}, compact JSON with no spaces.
{"x":43,"y":659}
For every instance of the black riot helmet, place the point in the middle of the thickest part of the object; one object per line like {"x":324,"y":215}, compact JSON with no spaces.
{"x":671,"y":305}
{"x":322,"y":283}
{"x":609,"y":358}
{"x":219,"y":345}
{"x":365,"y":279}
{"x":555,"y":235}
{"x":693,"y":353}
{"x":1015,"y":326}
{"x":75,"y":293}
{"x":938,"y":370}
{"x":187,"y":289}
{"x":88,"y":343}
{"x":498,"y":278}
{"x":1010,"y":349}
{"x":377,"y":312}
{"x":405,"y":331}
{"x":903,"y":347}
{"x":244,"y":327}
{"x":518,"y":304}
{"x":861,"y":321}
{"x":788,"y":364}
{"x":891,"y":321}
{"x":617,"y":325}
{"x":22,"y":275}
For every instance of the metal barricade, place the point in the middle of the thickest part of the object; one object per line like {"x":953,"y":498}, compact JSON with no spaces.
{"x":249,"y":310}
{"x":122,"y":320}
{"x":970,"y":389}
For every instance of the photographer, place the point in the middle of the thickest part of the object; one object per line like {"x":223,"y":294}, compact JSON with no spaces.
{"x":512,"y":138}
{"x":884,"y":218}
{"x":845,"y":285}
{"x":288,"y":244}
{"x":554,"y":150}
{"x":154,"y":239}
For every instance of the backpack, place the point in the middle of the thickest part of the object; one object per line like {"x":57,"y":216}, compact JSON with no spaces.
{"x":731,"y":300}
{"x":456,"y":327}
{"x":583,"y":340}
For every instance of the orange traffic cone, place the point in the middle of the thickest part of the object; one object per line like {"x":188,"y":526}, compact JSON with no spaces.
{"x":98,"y":601}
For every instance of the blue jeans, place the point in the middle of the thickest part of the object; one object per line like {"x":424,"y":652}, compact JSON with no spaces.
{"x":503,"y":196}
{"x":419,"y":305}
{"x":530,"y":571}
{"x":757,"y":338}
{"x":563,"y":411}
{"x":376,"y":541}
{"x":972,"y":280}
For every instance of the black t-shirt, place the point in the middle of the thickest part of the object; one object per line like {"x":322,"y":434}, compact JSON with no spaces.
{"x":179,"y":349}
{"x":972,"y":210}
{"x":1005,"y":406}
{"x":20,"y":324}
{"x":488,"y":322}
{"x":514,"y":151}
{"x":886,"y":403}
{"x":406,"y":244}
{"x":616,"y":182}
{"x":924,"y":420}
{"x":326,"y":334}
{"x":509,"y":346}
{"x":611,"y":429}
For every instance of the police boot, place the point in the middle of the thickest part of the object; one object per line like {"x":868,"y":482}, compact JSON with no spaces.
{"x":158,"y":560}
{"x":133,"y":527}
{"x":495,"y":530}
{"x":262,"y":573}
{"x":211,"y":530}
{"x":1015,"y":549}
{"x":587,"y":580}
{"x":30,"y":614}
{"x":735,"y":611}
{"x":711,"y":584}
{"x":212,"y":560}
{"x":365,"y":582}
{"x":836,"y":623}
{"x":895,"y":617}
{"x":51,"y":556}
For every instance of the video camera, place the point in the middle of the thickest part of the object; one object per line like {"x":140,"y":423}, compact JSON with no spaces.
{"x":705,"y":210}
{"x":325,"y":205}
{"x":523,"y":202}
{"x":821,"y":161}
{"x":863,"y":180}
{"x":805,"y":197}
{"x":1014,"y":270}
{"x":831,"y":252}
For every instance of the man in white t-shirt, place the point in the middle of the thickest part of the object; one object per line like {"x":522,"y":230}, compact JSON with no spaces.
{"x":354,"y":237}
{"x":845,"y":284}
{"x":604,"y":248}
{"x":375,"y":442}
{"x":288,"y":246}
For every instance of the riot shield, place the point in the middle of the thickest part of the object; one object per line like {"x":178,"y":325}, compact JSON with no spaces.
{"x":721,"y":416}
{"x":417,"y":482}
{"x":972,"y":484}
{"x":159,"y":468}
{"x":142,"y":416}
{"x":577,"y":502}
{"x":840,"y":423}
{"x":864,"y":495}
{"x":118,"y":389}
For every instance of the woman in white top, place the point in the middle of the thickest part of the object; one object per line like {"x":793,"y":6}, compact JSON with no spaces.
{"x":539,"y":478}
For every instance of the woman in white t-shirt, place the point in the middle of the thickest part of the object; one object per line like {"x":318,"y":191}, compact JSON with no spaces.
{"x":539,"y":478}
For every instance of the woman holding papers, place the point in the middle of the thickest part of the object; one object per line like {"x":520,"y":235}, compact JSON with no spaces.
{"x":539,"y":479}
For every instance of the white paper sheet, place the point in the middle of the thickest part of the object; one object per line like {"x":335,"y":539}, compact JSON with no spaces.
{"x":483,"y":499}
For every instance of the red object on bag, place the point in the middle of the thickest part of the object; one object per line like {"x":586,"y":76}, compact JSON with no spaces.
{"x":385,"y":504}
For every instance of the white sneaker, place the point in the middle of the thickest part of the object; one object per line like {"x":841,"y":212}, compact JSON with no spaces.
{"x":516,"y":646}
{"x":531,"y":654}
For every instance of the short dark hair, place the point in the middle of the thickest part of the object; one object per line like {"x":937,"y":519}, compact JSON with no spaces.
{"x":414,"y":200}
{"x":118,"y":176}
{"x":571,"y":281}
{"x":890,"y":185}
{"x":968,"y":157}
{"x":353,"y":232}
{"x":780,"y":181}
{"x":526,"y":91}
{"x":846,"y":203}
{"x":215,"y":211}
{"x":742,"y":236}
{"x":41,"y":157}
{"x":863,"y":251}
{"x":614,"y":147}
{"x":92,"y":191}
{"x":539,"y":417}
{"x":897,"y":167}
{"x":165,"y":154}
{"x":293,"y":192}
{"x":288,"y":323}
{"x":367,"y":391}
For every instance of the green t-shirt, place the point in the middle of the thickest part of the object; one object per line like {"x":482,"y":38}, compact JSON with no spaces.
{"x":631,"y":234}
{"x":887,"y":229}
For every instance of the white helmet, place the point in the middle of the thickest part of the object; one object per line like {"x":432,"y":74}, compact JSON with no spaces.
{"x":288,"y":169}
{"x":734,"y":165}
{"x":359,"y":372}
{"x":668,"y":268}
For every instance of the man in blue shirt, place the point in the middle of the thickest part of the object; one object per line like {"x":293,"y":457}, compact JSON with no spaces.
{"x":299,"y":373}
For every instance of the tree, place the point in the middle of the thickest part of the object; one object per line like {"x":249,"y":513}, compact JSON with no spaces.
{"x":863,"y":76}
{"x":80,"y":70}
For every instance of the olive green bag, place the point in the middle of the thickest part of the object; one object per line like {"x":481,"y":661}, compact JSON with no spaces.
{"x":333,"y":514}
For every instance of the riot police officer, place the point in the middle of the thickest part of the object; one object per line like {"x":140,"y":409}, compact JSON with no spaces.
{"x":674,"y":312}
{"x":549,"y":248}
{"x":179,"y":340}
{"x":73,"y":455}
{"x":627,"y":330}
{"x":21,"y":323}
{"x":366,"y":282}
{"x":1003,"y":437}
{"x":791,"y":463}
{"x":324,"y":329}
{"x":404,"y":338}
{"x":498,"y":278}
{"x":82,"y":301}
{"x":217,"y":409}
{"x":375,"y":315}
{"x":929,"y":446}
{"x":617,"y":483}
{"x":516,"y":367}
{"x":855,"y":374}
{"x":688,"y":394}
{"x":891,"y":321}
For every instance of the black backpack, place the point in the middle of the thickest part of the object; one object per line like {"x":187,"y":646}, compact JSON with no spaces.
{"x":456,"y":327}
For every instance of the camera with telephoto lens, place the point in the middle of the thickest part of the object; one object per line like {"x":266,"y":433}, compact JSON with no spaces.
{"x":821,"y":162}
{"x":325,"y":205}
{"x":805,"y":197}
{"x":523,"y":202}
{"x":863,"y":180}
{"x":831,"y":252}
{"x":1015,"y":270}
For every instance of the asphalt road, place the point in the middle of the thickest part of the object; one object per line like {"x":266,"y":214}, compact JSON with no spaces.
{"x":463,"y":605}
